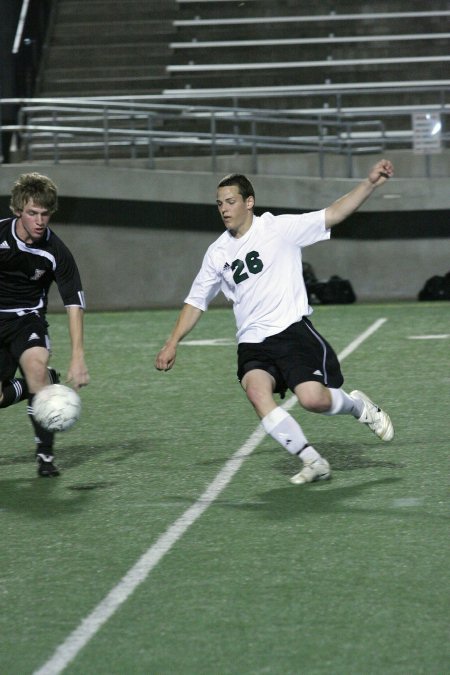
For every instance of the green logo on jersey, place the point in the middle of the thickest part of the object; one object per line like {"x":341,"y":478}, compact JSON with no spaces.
{"x":253,"y":264}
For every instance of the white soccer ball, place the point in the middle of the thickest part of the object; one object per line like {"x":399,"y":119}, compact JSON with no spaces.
{"x":56,"y":407}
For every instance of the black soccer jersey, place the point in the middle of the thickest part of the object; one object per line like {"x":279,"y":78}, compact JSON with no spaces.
{"x":28,"y":270}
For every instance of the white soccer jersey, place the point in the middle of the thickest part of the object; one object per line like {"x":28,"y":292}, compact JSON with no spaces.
{"x":261,"y":273}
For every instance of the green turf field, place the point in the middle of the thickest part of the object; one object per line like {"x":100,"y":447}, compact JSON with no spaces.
{"x":349,"y":577}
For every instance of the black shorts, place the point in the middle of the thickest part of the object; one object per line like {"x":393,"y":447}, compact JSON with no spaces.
{"x":297,"y":354}
{"x":18,"y":334}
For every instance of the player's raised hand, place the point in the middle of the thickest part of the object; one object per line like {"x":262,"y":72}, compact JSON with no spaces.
{"x":381,"y":172}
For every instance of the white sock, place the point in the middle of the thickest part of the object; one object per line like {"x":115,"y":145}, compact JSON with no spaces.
{"x":309,"y":454}
{"x":287,"y":432}
{"x":343,"y":404}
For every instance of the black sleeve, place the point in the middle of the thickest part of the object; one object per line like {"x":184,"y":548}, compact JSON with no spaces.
{"x":67,"y":276}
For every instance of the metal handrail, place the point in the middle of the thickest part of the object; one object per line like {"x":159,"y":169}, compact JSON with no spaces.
{"x":59,"y":125}
{"x":20,"y":26}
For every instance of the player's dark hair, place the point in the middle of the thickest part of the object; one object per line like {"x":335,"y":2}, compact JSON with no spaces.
{"x":32,"y":186}
{"x":241,"y":182}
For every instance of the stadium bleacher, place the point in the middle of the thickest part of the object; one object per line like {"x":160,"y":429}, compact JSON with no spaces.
{"x":201,"y":47}
{"x":343,"y":58}
{"x":192,"y":88}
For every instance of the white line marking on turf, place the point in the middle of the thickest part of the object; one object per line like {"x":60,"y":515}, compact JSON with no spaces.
{"x":216,"y":342}
{"x":74,"y":643}
{"x":360,"y":339}
{"x":405,"y":502}
{"x":443,"y":336}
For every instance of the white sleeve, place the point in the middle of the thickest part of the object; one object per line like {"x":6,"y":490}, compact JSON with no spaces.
{"x":205,"y":286}
{"x":303,"y":229}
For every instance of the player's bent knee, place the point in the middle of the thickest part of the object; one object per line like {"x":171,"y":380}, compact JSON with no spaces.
{"x":255,"y":396}
{"x":34,"y":364}
{"x":312,"y":403}
{"x":35,"y":357}
{"x":313,"y":396}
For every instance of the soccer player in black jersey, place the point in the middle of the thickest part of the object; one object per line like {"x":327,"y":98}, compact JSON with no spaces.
{"x":32,"y":257}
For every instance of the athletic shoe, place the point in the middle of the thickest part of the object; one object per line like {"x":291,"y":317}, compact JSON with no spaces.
{"x":318,"y":469}
{"x":45,"y":466}
{"x":375,"y":418}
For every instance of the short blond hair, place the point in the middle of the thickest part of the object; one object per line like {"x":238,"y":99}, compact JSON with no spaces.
{"x":32,"y":186}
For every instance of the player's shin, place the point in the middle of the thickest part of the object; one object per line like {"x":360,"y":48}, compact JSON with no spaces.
{"x":44,"y":438}
{"x":343,"y":404}
{"x":284,"y":429}
{"x":13,"y":391}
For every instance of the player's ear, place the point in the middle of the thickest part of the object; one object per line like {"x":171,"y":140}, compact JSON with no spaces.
{"x":250,"y":202}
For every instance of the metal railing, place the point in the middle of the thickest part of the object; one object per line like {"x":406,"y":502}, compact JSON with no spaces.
{"x":28,"y":44}
{"x":79,"y":129}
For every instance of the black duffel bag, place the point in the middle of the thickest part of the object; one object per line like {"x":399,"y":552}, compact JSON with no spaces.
{"x":335,"y":291}
{"x":436,"y":288}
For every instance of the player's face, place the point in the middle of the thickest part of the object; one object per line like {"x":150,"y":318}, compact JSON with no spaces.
{"x":32,"y":222}
{"x":235,"y":211}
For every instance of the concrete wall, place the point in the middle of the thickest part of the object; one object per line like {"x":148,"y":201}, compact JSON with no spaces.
{"x":287,"y":181}
{"x":134,"y":268}
{"x":138,"y":267}
{"x":156,"y":267}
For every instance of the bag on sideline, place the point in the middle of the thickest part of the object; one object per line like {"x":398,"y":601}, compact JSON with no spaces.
{"x":335,"y":291}
{"x":436,"y":288}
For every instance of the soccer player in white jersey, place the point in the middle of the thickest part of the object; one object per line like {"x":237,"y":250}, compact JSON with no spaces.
{"x":257,"y":264}
{"x":32,"y":257}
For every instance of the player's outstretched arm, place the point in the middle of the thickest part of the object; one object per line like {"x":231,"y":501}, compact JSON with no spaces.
{"x":77,"y":375}
{"x":349,"y":203}
{"x":186,"y":321}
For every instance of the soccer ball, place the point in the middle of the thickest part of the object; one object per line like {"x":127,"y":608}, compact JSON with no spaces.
{"x":56,"y":407}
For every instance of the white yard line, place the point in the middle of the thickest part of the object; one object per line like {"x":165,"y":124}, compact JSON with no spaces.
{"x":441,"y":336}
{"x":91,"y":624}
